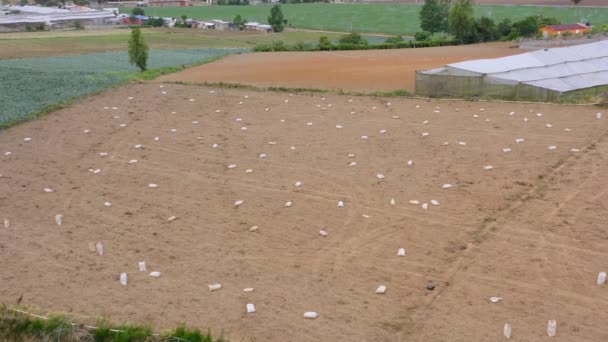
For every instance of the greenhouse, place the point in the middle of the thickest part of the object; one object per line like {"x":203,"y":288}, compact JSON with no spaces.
{"x":569,"y":74}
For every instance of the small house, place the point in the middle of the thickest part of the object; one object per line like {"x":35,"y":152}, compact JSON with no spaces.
{"x":255,"y":26}
{"x":222,"y":25}
{"x":558,"y":30}
{"x":165,"y":3}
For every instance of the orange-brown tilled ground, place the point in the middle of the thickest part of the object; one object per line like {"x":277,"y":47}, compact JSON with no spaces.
{"x":530,"y":230}
{"x":361,"y":71}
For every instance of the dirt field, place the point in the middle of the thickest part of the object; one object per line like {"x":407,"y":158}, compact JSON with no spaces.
{"x":531,"y":230}
{"x":362,"y":71}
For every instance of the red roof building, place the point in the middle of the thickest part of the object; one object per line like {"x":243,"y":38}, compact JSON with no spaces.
{"x":561,"y":29}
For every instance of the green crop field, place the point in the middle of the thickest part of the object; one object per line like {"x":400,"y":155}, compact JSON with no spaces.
{"x":373,"y":18}
{"x":37,"y":83}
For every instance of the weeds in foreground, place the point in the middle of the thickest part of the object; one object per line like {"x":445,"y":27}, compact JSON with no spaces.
{"x":18,"y":325}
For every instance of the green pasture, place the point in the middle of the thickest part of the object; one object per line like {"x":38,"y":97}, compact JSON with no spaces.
{"x":371,"y":18}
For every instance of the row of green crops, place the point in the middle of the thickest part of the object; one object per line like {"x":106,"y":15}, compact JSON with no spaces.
{"x":378,"y":18}
{"x":31,"y":85}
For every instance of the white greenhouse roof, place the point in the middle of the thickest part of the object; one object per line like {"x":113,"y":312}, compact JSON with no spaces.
{"x":38,"y":9}
{"x":50,"y":18}
{"x":560,"y":69}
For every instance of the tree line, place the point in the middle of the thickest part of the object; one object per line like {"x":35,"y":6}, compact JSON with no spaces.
{"x":457,"y":19}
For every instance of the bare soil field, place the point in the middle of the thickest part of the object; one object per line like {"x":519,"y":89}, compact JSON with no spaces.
{"x":529,"y":230}
{"x":362,"y":71}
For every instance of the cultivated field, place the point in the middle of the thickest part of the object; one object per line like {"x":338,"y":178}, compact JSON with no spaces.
{"x":360,"y":71}
{"x":528,"y":230}
{"x":34,"y":84}
{"x":378,"y":18}
{"x":54,"y":43}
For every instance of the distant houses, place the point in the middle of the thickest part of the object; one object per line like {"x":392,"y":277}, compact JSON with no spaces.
{"x":27,"y":18}
{"x":222,"y":25}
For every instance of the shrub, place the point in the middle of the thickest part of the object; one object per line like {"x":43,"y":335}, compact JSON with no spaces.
{"x":486,"y":29}
{"x":353,"y":39}
{"x":529,"y":26}
{"x":394,"y":40}
{"x":324,"y":43}
{"x":504,"y":27}
{"x":441,"y":36}
{"x":303,"y":46}
{"x":78,"y":25}
{"x":156,"y":22}
{"x":422,"y":35}
{"x":513,"y":35}
{"x":138,"y":11}
{"x":279,"y":45}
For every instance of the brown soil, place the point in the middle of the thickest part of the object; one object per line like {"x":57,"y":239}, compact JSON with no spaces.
{"x":531,"y":230}
{"x":363,"y":71}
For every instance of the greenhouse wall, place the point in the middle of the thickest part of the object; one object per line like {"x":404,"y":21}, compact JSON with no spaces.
{"x":448,"y":86}
{"x":480,"y":87}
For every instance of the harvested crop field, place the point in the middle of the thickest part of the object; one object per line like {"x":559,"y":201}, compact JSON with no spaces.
{"x":361,"y":71}
{"x":529,"y":229}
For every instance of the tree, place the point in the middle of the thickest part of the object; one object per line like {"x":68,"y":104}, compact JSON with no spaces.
{"x":276,"y":19}
{"x":138,"y":50}
{"x":138,"y":11}
{"x":434,"y":15}
{"x":239,"y":22}
{"x":576,"y":2}
{"x":461,"y":21}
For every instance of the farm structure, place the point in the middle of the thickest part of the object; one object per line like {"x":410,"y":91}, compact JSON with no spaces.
{"x":52,"y":18}
{"x":569,"y":74}
{"x":12,"y":23}
{"x":165,"y":3}
{"x":561,"y":29}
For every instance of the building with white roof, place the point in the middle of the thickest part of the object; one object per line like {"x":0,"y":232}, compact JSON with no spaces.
{"x":53,"y":20}
{"x":574,"y":73}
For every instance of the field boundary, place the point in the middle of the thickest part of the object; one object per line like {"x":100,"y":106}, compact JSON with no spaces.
{"x":127,"y":77}
{"x":16,"y":323}
{"x":401,"y":93}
